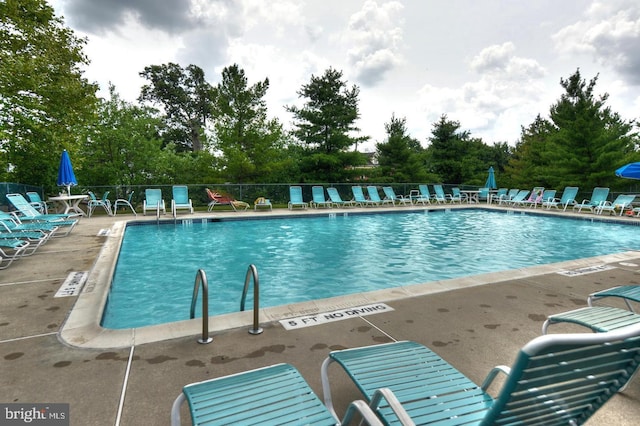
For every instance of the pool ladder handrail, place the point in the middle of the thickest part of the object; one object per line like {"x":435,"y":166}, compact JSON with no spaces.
{"x":252,"y":271}
{"x":201,"y":279}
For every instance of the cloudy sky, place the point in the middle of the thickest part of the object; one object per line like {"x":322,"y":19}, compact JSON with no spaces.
{"x":493,"y":65}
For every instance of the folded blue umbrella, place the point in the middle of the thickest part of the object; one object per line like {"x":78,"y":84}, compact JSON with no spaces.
{"x":66,"y":177}
{"x":491,"y":179}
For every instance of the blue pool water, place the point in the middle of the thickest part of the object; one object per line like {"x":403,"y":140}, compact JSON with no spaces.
{"x":317,"y":257}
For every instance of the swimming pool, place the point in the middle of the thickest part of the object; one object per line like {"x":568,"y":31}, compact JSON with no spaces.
{"x":334,"y":254}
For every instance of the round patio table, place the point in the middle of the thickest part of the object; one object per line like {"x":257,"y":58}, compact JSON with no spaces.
{"x":70,"y":203}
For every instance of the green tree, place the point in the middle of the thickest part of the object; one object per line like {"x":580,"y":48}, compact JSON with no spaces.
{"x":447,"y":147}
{"x":187,"y":100}
{"x":399,"y":158}
{"x":325,"y":125}
{"x":500,"y":154}
{"x":250,"y":142}
{"x":457,"y":158}
{"x":590,"y":141}
{"x":121,"y":146}
{"x":531,"y":159}
{"x":581,"y":144}
{"x":44,"y":99}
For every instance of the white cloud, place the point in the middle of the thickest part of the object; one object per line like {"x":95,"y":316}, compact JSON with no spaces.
{"x":269,"y":61}
{"x":279,"y":16}
{"x":500,"y":59}
{"x":375,"y":36}
{"x":123,"y":55}
{"x":508,"y":87}
{"x":610,"y":32}
{"x":491,"y":66}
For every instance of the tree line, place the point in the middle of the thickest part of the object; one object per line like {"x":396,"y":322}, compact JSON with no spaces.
{"x":182,"y":129}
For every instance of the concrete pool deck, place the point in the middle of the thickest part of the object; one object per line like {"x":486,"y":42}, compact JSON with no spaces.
{"x":482,"y":323}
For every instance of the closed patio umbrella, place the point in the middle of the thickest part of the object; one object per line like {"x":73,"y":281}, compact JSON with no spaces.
{"x":66,"y":177}
{"x":491,"y":179}
{"x":629,"y":171}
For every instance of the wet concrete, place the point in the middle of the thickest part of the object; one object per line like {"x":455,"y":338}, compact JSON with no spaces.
{"x":474,"y":328}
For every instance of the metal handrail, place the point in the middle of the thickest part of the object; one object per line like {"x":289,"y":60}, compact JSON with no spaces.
{"x":158,"y":212}
{"x":252,"y":271}
{"x":201,"y":278}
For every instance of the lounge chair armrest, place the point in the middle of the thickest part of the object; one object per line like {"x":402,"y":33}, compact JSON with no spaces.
{"x":493,"y":374}
{"x":385,"y":394}
{"x":365,"y":411}
{"x":175,"y":410}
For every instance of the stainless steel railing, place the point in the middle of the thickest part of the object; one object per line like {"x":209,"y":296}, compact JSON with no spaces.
{"x":201,"y":280}
{"x":252,"y":272}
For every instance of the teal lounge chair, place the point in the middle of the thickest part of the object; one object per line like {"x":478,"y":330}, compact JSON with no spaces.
{"x":124,"y":202}
{"x":602,"y":318}
{"x":421,"y":195}
{"x":495,"y":197}
{"x":11,"y":223}
{"x":37,"y":202}
{"x":534,"y":198}
{"x":628,"y":293}
{"x":35,"y":238}
{"x":598,"y":197}
{"x":510,"y":196}
{"x":359,"y":198}
{"x":439,"y":195}
{"x":547,"y":195}
{"x":520,"y":199}
{"x":484,"y":194}
{"x":153,"y":201}
{"x":15,"y":250}
{"x":180,"y":200}
{"x":272,"y":395}
{"x":94,"y":202}
{"x":599,"y":319}
{"x":28,"y":212}
{"x":337,"y":201}
{"x":390,"y":194}
{"x":318,"y":199}
{"x":295,"y":198}
{"x":621,"y":203}
{"x":568,"y":199}
{"x":560,"y":379}
{"x":374,"y":196}
{"x":456,"y":196}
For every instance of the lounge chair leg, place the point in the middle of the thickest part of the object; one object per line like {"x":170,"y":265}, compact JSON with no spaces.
{"x":326,"y":388}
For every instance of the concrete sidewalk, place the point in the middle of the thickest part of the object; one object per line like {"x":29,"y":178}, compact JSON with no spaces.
{"x":474,"y":328}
